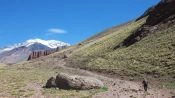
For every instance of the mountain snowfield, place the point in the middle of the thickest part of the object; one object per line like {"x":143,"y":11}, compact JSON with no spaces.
{"x":48,"y":43}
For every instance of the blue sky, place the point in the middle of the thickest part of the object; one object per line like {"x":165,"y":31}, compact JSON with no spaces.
{"x":70,"y":21}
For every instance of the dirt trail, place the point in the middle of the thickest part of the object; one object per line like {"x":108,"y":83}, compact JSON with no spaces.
{"x":117,"y":88}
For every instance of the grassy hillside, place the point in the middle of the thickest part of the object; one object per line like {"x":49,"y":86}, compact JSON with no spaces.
{"x":154,"y":55}
{"x":105,"y":33}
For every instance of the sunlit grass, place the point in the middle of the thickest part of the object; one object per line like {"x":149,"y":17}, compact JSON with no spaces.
{"x":154,"y":55}
{"x":18,"y":81}
{"x":169,"y":85}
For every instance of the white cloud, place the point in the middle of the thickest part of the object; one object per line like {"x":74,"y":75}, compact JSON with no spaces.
{"x":56,"y":31}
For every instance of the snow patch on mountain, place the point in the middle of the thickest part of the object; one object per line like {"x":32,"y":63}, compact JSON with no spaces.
{"x":48,"y":43}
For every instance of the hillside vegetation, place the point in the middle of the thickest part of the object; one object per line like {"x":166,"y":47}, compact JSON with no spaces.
{"x":141,"y":48}
{"x":154,"y":55}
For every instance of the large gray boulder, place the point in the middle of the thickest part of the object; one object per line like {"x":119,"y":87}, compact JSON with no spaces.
{"x":65,"y":81}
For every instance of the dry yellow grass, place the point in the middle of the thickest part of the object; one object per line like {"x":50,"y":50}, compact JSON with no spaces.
{"x":26,"y":79}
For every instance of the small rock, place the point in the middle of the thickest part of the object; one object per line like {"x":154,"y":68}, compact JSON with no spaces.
{"x":114,"y":84}
{"x":114,"y":90}
{"x":131,"y":79}
{"x":148,"y":94}
{"x":65,"y":56}
{"x":174,"y":77}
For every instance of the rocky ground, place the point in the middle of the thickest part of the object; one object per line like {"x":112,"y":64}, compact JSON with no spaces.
{"x":117,"y":88}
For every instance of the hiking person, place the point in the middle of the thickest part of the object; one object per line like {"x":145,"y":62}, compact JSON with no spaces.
{"x":145,"y":84}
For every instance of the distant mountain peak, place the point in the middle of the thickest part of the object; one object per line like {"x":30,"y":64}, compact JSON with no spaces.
{"x":48,"y":43}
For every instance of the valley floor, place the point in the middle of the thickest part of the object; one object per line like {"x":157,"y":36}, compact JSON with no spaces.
{"x":27,"y":79}
{"x":120,"y":88}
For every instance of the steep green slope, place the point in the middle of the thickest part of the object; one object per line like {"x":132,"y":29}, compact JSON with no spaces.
{"x":154,"y":55}
{"x":105,"y":33}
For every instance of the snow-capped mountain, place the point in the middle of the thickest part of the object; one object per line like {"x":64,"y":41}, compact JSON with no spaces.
{"x":48,"y":43}
{"x":21,"y":51}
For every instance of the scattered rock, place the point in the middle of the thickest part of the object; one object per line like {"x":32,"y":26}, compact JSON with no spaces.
{"x":131,"y":79}
{"x":174,"y":77}
{"x":173,"y":44}
{"x":140,"y":90}
{"x":65,"y":56}
{"x":114,"y":84}
{"x":114,"y":90}
{"x":134,"y":90}
{"x":173,"y":97}
{"x":156,"y":76}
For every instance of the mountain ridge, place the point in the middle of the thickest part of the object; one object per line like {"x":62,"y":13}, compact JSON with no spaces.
{"x":159,"y":17}
{"x":49,"y":43}
{"x":22,"y":51}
